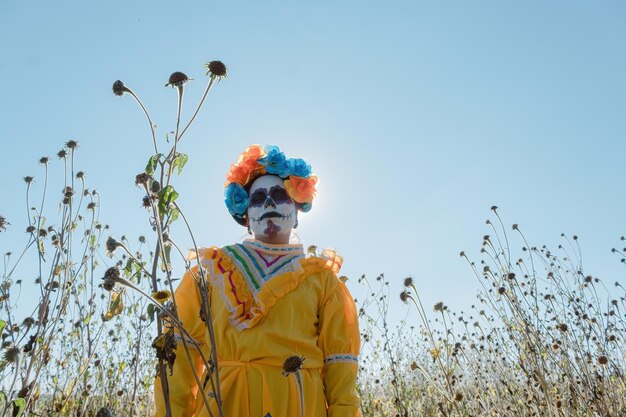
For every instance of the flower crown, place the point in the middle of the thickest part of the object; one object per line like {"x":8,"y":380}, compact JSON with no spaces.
{"x":299,"y":182}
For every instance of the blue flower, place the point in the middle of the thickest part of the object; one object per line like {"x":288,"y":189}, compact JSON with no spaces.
{"x":275,"y":162}
{"x":237,"y":199}
{"x":306,"y":207}
{"x":299,"y":167}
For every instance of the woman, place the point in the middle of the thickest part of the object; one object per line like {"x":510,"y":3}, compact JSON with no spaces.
{"x":268,"y":302}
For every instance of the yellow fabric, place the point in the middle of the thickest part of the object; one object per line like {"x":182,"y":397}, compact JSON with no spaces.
{"x":309,"y":313}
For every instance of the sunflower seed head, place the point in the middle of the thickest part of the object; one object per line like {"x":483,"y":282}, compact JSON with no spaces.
{"x":12,"y":354}
{"x":292,"y":364}
{"x":177,"y":79}
{"x":216,"y":68}
{"x":119,"y":88}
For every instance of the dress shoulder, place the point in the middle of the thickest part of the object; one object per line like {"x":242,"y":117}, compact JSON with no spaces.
{"x":203,"y":253}
{"x":328,"y":259}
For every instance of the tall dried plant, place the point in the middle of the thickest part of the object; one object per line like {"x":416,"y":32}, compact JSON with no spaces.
{"x":160,"y":199}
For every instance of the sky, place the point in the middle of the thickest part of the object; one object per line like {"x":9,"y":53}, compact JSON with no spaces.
{"x":417,"y":116}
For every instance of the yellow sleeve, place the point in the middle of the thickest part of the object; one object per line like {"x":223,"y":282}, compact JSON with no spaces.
{"x":340,"y":342}
{"x":182,"y":384}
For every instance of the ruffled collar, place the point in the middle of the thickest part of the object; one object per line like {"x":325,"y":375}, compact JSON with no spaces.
{"x":249,"y":280}
{"x":274,"y":249}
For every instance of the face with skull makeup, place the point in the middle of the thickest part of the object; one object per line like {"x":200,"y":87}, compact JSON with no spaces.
{"x":271,"y":213}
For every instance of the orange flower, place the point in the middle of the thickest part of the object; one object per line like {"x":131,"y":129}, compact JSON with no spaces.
{"x":237,"y":173}
{"x":250,"y":155}
{"x":247,"y":166}
{"x":257,"y":172}
{"x":301,"y":190}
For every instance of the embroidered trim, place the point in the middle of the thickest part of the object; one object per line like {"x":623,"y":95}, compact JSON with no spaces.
{"x":274,"y":249}
{"x":257,"y":266}
{"x":230,"y":285}
{"x":341,"y":357}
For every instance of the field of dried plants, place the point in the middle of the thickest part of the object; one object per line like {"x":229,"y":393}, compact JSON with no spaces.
{"x":544,"y":337}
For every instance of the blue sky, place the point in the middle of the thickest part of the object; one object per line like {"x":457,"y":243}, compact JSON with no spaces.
{"x":417,"y":117}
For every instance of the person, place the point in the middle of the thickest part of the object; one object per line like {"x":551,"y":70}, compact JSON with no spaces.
{"x":268,"y":302}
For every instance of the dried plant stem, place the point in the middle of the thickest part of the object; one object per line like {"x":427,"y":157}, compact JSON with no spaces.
{"x":208,"y":320}
{"x":396,"y":381}
{"x":172,"y":155}
{"x":298,"y":377}
{"x":75,"y":381}
{"x":188,"y":337}
{"x":506,"y":239}
{"x":161,"y":247}
{"x":420,"y":308}
{"x":177,"y":137}
{"x":136,"y":367}
{"x":195,"y":113}
{"x":152,"y":127}
{"x":10,"y":392}
{"x":161,"y":365}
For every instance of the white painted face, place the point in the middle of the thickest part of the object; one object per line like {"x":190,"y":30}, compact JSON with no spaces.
{"x":271,"y":213}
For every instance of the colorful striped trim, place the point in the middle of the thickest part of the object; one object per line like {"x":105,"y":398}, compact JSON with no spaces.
{"x":223,"y":282}
{"x":272,"y":259}
{"x":258,"y":266}
{"x":242,"y":262}
{"x":239,"y":272}
{"x":279,"y":267}
{"x":255,"y":262}
{"x":341,"y":357}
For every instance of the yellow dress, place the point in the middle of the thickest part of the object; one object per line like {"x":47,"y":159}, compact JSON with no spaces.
{"x":267,"y":303}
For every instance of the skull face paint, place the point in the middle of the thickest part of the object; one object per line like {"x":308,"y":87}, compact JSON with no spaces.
{"x":271,"y":213}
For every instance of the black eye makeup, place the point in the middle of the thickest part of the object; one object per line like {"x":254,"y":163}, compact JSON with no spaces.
{"x":258,"y":197}
{"x":279,"y":195}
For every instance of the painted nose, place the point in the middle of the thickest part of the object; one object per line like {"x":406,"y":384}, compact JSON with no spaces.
{"x":269,"y":202}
